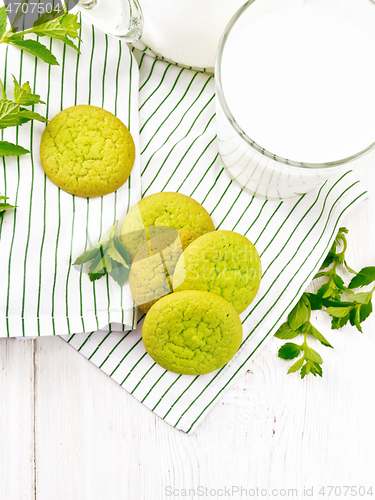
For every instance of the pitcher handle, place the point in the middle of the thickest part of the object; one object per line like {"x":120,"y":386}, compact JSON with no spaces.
{"x":119,"y":18}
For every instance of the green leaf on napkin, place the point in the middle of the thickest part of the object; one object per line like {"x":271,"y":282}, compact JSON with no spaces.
{"x":12,"y":114}
{"x":4,"y":206}
{"x":355,"y":309}
{"x":35,"y":48}
{"x":71,"y":25}
{"x":9,"y":114}
{"x":60,"y":27}
{"x":31,"y":115}
{"x":9,"y":149}
{"x":109,"y":256}
{"x":23,"y":94}
{"x":3,"y":21}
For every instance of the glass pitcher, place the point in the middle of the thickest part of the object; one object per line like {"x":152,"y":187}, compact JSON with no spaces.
{"x":186,"y":32}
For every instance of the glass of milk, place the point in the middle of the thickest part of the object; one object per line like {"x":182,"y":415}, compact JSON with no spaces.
{"x":186,"y":32}
{"x":295,"y":92}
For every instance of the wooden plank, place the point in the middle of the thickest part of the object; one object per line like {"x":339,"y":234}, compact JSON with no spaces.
{"x":17,"y":419}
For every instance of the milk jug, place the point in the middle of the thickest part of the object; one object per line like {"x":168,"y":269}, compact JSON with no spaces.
{"x":186,"y":32}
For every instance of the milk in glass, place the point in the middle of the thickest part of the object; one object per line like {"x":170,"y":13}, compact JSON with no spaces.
{"x":299,"y":81}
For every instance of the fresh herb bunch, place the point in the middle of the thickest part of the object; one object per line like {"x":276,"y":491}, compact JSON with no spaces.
{"x":4,"y":206}
{"x":109,"y":256}
{"x":64,"y":27}
{"x":12,"y":114}
{"x":355,"y":309}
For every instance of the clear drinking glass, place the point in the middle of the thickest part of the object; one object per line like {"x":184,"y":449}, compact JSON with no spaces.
{"x":119,"y":18}
{"x":256,"y":169}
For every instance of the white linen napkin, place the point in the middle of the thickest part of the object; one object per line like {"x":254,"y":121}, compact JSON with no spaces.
{"x":179,"y":153}
{"x":40,"y":292}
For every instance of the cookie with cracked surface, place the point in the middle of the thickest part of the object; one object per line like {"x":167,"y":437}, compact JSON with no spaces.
{"x":87,"y":151}
{"x":223,"y":262}
{"x":155,"y":212}
{"x":154,"y":264}
{"x":192,"y":332}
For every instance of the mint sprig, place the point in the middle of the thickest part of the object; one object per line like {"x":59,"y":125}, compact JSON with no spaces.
{"x":109,"y":256}
{"x":13,"y":114}
{"x":64,"y":27}
{"x":340,"y":302}
{"x":299,"y":324}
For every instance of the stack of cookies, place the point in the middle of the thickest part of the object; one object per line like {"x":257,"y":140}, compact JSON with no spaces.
{"x":192,"y":281}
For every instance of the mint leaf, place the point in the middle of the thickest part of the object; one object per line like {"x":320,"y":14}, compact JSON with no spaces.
{"x":297,"y":365}
{"x":3,"y":21}
{"x":365,"y":311}
{"x":37,"y":49}
{"x":120,"y":274}
{"x":286,"y":332}
{"x":23,"y":94}
{"x":112,"y":252}
{"x":316,"y":302}
{"x":361,"y":298}
{"x":49,"y":28}
{"x":94,"y":277}
{"x":365,"y":277}
{"x":315,"y":333}
{"x":338,"y":322}
{"x":289,"y":351}
{"x":120,"y":247}
{"x":338,"y":312}
{"x":311,"y":367}
{"x":68,"y":42}
{"x":31,"y":115}
{"x":86,"y":257}
{"x":298,"y":315}
{"x":354,"y":318}
{"x":71,"y":25}
{"x":312,"y":355}
{"x":9,"y":114}
{"x":339,"y":282}
{"x":54,"y":29}
{"x":9,"y":149}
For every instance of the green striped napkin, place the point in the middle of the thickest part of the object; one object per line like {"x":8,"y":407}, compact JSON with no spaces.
{"x":179,"y":153}
{"x":40,"y":292}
